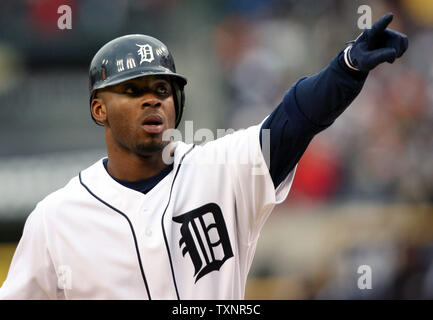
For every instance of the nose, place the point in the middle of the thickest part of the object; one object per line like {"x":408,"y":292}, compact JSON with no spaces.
{"x":150,"y":102}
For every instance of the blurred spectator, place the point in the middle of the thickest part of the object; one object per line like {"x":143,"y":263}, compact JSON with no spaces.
{"x":318,"y":173}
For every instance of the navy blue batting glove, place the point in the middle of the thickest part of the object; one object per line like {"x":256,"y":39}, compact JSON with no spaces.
{"x":375,"y":46}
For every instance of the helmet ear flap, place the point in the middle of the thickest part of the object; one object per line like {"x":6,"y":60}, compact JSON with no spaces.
{"x":179,"y":101}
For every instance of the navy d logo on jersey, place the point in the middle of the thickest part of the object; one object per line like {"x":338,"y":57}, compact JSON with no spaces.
{"x":205,"y":238}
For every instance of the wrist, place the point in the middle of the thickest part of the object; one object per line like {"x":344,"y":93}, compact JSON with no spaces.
{"x":341,"y":64}
{"x":348,"y":60}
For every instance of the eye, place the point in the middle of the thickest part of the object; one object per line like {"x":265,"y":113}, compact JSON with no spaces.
{"x":131,"y":89}
{"x":163,"y":89}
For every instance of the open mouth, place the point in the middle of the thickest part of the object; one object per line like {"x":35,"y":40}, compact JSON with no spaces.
{"x":152,"y":119}
{"x":152,"y":123}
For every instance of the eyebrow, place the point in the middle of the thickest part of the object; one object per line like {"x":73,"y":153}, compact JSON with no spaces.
{"x":157,"y":78}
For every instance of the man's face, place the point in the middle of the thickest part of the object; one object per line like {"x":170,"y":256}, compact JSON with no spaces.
{"x":137,"y":112}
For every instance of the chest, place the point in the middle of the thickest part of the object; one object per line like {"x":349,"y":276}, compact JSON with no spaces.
{"x":177,"y":241}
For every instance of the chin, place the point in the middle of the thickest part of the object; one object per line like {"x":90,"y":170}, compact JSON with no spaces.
{"x":146,"y":149}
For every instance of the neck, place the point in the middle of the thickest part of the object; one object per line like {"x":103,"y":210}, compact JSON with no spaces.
{"x":134,"y":168}
{"x":128,"y":166}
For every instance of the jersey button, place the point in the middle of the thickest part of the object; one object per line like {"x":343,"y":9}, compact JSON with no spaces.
{"x":148,"y":232}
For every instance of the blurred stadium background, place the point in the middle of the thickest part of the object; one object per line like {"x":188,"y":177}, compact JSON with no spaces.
{"x":363,"y":191}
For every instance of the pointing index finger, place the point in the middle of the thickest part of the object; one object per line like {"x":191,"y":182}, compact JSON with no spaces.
{"x":381,"y":24}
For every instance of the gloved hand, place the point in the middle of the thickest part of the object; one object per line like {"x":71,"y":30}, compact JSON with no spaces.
{"x":375,"y":46}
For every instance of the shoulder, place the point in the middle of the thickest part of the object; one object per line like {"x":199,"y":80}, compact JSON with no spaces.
{"x":222,"y":139}
{"x":49,"y":204}
{"x":70,"y":193}
{"x":64,"y":193}
{"x":233,"y":147}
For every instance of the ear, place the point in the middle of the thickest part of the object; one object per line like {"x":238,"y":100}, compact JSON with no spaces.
{"x":99,"y":111}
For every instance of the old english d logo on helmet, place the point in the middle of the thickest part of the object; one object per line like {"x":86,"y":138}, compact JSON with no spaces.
{"x":146,"y":53}
{"x":133,"y":56}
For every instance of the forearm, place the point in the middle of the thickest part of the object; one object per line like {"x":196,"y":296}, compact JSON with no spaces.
{"x":324,"y":96}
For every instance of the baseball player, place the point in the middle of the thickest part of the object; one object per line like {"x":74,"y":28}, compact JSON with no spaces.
{"x":161,"y":219}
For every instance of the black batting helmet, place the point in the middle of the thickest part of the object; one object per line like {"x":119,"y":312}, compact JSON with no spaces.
{"x":133,"y":56}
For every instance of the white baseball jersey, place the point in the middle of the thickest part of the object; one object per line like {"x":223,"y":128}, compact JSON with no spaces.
{"x":193,"y":236}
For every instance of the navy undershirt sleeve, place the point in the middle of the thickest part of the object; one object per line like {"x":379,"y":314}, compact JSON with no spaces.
{"x":311,"y":105}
